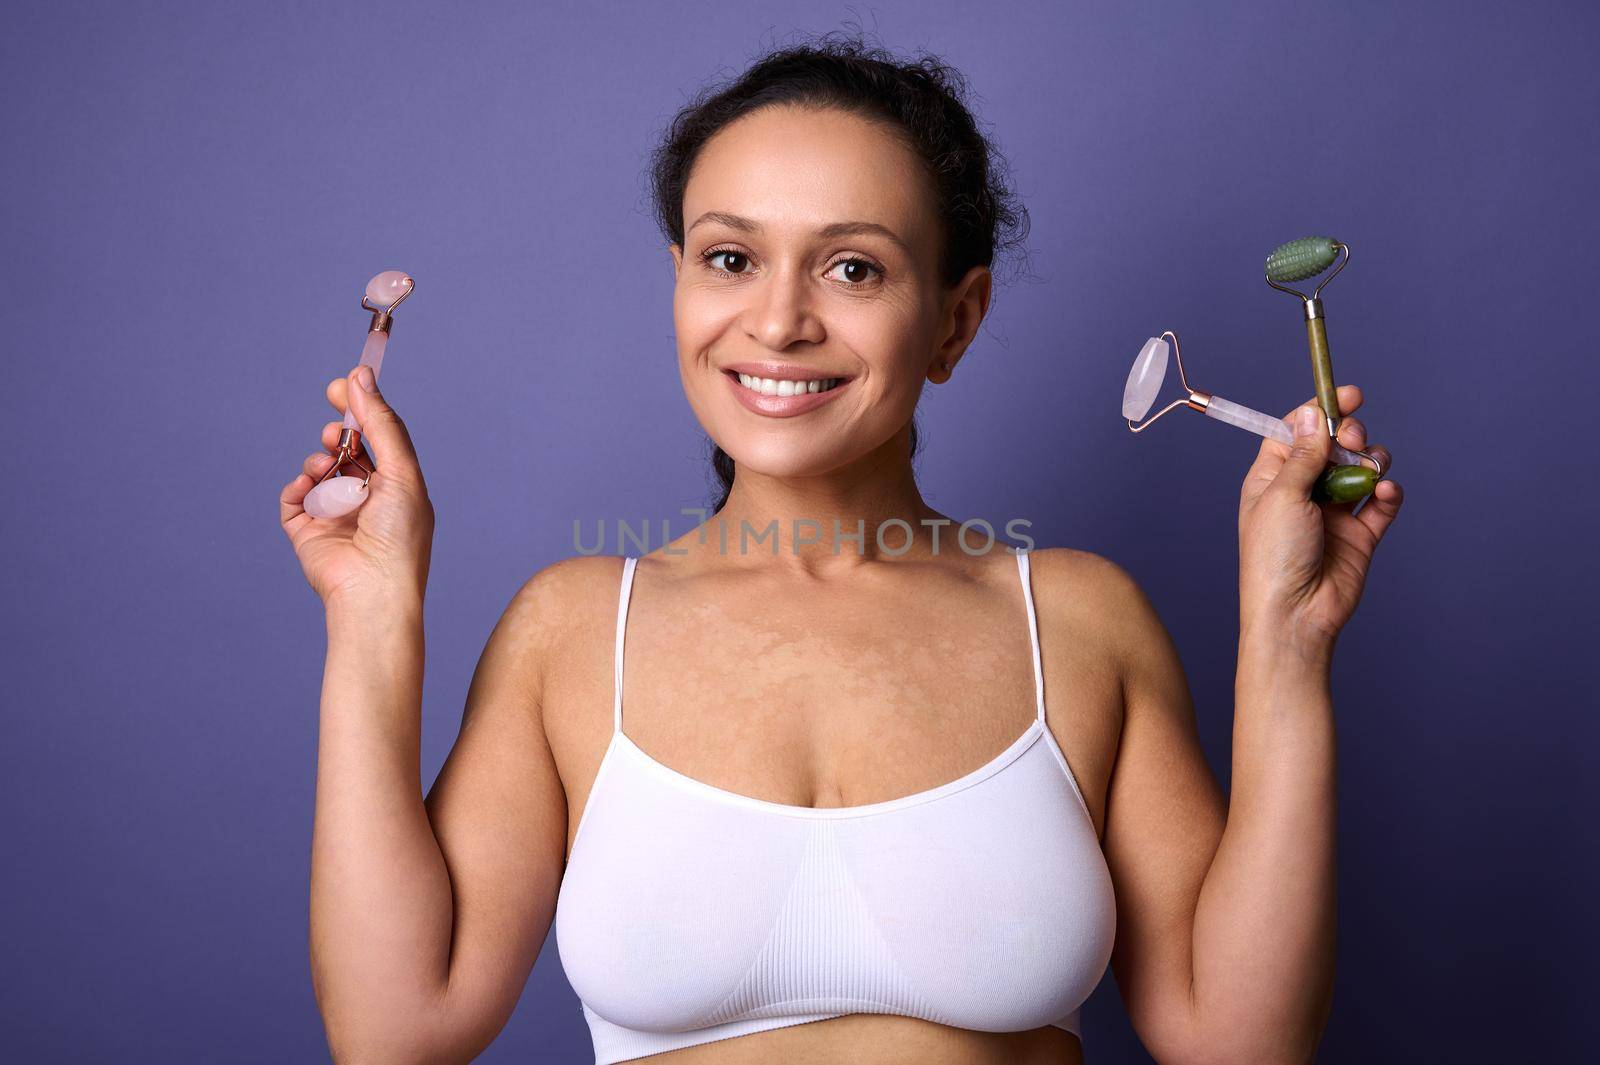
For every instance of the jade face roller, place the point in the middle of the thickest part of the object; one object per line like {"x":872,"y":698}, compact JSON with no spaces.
{"x":1150,"y":370}
{"x":1300,"y":260}
{"x":334,"y":496}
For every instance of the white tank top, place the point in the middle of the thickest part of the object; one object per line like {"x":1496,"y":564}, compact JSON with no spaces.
{"x":688,"y":913}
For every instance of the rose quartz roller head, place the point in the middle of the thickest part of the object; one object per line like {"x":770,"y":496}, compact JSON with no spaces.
{"x":334,"y":496}
{"x":1150,"y":370}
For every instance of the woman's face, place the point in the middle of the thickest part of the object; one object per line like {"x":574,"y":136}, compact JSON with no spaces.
{"x":809,"y":265}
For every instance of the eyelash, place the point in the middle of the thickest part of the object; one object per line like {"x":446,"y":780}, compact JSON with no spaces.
{"x":711,"y":253}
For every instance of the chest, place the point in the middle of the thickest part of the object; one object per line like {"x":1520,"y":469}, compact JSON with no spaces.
{"x":814,"y":699}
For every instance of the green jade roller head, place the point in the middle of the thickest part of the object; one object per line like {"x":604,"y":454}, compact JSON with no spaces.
{"x":1301,"y":260}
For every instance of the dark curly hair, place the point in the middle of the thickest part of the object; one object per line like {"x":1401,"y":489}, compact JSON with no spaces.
{"x":923,"y":99}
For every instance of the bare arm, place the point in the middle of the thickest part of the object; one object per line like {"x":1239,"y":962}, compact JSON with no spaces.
{"x":1264,"y":927}
{"x":427,"y":916}
{"x":1225,"y":907}
{"x":1226,"y":950}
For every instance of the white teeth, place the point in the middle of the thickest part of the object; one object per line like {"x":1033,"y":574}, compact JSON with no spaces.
{"x":772,"y":386}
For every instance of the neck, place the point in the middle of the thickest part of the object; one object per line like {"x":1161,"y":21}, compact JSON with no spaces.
{"x":852,"y":515}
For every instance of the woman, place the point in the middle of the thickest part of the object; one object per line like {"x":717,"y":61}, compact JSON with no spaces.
{"x":872,"y":799}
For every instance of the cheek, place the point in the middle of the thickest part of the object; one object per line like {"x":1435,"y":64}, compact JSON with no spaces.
{"x":699,"y":323}
{"x":698,"y":320}
{"x":895,"y":345}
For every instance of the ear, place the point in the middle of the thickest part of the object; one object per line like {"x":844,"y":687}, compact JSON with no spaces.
{"x":677,"y":258}
{"x":966,"y":305}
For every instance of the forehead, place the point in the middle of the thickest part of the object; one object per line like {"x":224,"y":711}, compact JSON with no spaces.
{"x":792,"y":167}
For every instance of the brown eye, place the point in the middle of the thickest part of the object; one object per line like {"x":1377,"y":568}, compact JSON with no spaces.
{"x":857,"y":272}
{"x":736,"y":261}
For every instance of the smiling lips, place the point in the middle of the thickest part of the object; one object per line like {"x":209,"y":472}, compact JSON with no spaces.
{"x":782,"y":396}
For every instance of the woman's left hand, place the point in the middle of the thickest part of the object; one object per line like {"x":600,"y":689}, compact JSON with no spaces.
{"x":1302,"y":565}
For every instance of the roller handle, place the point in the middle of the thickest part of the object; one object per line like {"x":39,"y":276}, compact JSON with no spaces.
{"x":1322,"y":370}
{"x":1254,"y":421}
{"x":371,"y":355}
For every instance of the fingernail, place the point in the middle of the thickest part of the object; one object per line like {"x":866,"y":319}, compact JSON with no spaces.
{"x":368,"y":382}
{"x":1306,"y":421}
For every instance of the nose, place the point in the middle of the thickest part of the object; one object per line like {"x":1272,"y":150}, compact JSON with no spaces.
{"x":780,"y":312}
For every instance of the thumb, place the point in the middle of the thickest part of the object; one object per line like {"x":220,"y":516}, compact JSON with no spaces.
{"x":1309,"y":455}
{"x":381,"y":428}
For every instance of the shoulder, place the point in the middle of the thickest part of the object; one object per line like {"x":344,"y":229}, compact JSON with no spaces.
{"x":1097,"y":600}
{"x":1065,"y":578}
{"x":568,"y":587}
{"x":566,"y":600}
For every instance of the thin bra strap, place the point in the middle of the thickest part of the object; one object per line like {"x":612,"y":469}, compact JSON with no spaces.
{"x":622,"y":623}
{"x":1033,"y":630}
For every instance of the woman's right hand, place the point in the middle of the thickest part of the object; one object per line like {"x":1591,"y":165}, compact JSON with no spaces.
{"x":382,"y":548}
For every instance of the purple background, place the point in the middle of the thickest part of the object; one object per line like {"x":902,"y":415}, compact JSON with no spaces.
{"x":195,"y":193}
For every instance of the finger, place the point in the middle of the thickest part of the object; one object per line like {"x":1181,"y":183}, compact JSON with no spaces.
{"x":291,"y":503}
{"x":316,"y":464}
{"x":1349,"y":398}
{"x":1309,"y":455}
{"x":1352,"y":434}
{"x":1382,"y":508}
{"x":382,"y":430}
{"x":338,"y":394}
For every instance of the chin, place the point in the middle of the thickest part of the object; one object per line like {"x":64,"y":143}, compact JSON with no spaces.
{"x":783,"y":458}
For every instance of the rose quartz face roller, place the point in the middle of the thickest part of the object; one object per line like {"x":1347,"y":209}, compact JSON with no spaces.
{"x":334,"y":496}
{"x":1150,"y":370}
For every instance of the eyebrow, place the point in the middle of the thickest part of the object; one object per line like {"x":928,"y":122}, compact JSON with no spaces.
{"x":832,"y":229}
